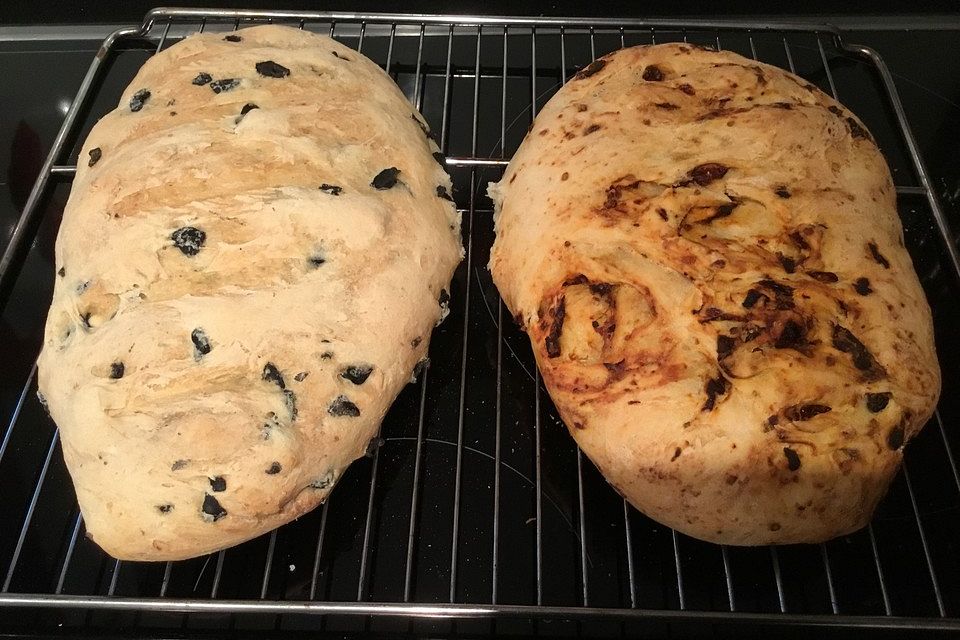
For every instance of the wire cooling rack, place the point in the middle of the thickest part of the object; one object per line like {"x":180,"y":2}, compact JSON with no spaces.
{"x":477,"y":504}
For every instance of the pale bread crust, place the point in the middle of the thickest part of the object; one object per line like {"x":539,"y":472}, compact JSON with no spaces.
{"x":142,"y":449}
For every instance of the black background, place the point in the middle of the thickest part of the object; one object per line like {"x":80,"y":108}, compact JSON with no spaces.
{"x":19,"y":12}
{"x":40,"y":76}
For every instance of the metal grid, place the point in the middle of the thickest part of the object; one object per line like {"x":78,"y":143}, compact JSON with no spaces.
{"x":437,"y":511}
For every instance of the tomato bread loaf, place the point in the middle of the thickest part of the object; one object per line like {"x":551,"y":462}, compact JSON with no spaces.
{"x":706,"y":254}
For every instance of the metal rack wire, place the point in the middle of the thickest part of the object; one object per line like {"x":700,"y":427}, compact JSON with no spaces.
{"x":477,"y":504}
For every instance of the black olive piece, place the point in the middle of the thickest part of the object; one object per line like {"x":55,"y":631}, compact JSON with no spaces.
{"x":782,"y":192}
{"x":704,"y":174}
{"x":877,"y":402}
{"x":722,"y":211}
{"x":725,"y":345}
{"x":823,"y":276}
{"x":326,"y":355}
{"x":778,"y":288}
{"x":272,"y":374}
{"x":877,"y":256}
{"x":232,"y":38}
{"x":668,"y":106}
{"x":791,"y":336}
{"x":271,"y":69}
{"x":789,"y":264}
{"x":200,"y":341}
{"x":341,"y":406}
{"x":793,"y":458}
{"x":844,"y":340}
{"x":274,"y":469}
{"x":442,"y":193}
{"x":601,"y":288}
{"x":211,"y":507}
{"x":316,"y":260}
{"x":804,"y":412}
{"x":139,"y":99}
{"x":116,"y":370}
{"x":715,"y":387}
{"x":799,"y":240}
{"x":202,"y":79}
{"x":862,"y":286}
{"x":753,"y":296}
{"x":165,"y":508}
{"x":652,"y":73}
{"x":896,"y":437}
{"x":178,"y":465}
{"x":247,"y":108}
{"x":386,"y":179}
{"x":301,"y":376}
{"x":357,"y":373}
{"x":62,"y":272}
{"x":95,"y":155}
{"x":189,"y":240}
{"x":218,"y":484}
{"x":332,"y":189}
{"x":225,"y":84}
{"x":782,"y":292}
{"x":591,"y":69}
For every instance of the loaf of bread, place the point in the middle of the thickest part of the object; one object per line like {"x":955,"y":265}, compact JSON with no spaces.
{"x":706,"y":254}
{"x":255,"y":251}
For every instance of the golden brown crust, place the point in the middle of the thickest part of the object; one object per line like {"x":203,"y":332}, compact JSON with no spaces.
{"x":706,"y":254}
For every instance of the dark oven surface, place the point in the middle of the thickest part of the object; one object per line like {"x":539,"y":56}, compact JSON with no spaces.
{"x":477,"y":513}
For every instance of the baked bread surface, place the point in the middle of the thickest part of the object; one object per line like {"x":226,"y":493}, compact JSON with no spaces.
{"x":706,"y":254}
{"x":254,"y":253}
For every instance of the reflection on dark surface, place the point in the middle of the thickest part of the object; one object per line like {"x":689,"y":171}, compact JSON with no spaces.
{"x":500,"y":397}
{"x":28,"y":154}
